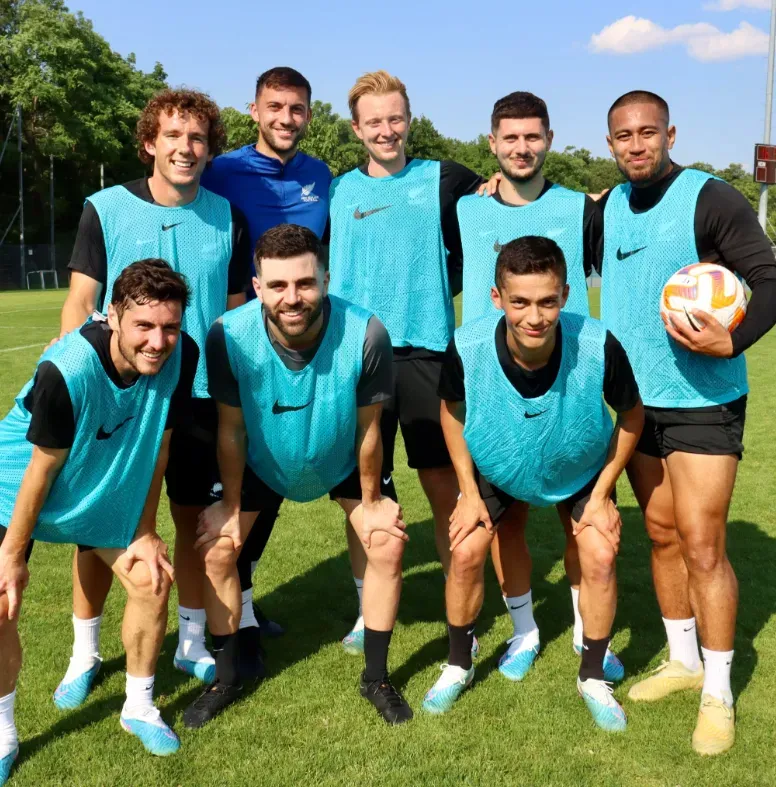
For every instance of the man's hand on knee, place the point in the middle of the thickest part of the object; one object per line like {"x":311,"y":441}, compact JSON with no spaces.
{"x":219,"y":521}
{"x":384,"y":515}
{"x":469,"y":512}
{"x":604,"y":517}
{"x":14,"y":577}
{"x":150,"y":550}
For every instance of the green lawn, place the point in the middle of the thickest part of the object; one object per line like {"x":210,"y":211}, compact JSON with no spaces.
{"x":306,"y":724}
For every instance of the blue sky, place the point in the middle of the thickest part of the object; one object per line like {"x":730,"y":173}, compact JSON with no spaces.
{"x":458,"y":58}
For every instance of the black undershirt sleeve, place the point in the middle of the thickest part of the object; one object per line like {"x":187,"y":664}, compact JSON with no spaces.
{"x":89,"y":255}
{"x":451,"y":384}
{"x":240,"y":270}
{"x":52,"y":421}
{"x":455,"y":181}
{"x":592,"y":236}
{"x":376,"y":382}
{"x":222,"y":384}
{"x":621,"y":391}
{"x":727,"y":232}
{"x":180,"y":402}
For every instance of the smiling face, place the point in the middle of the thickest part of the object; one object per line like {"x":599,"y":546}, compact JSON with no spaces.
{"x":640,"y":140}
{"x":383,"y":125}
{"x":283,"y":115}
{"x":520,"y":145}
{"x":180,"y":149}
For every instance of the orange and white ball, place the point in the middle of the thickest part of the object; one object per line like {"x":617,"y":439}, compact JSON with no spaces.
{"x":708,"y":287}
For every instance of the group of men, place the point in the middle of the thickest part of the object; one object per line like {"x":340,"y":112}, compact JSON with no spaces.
{"x":249,"y":331}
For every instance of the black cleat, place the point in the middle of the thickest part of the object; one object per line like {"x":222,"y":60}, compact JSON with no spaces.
{"x":386,"y":699}
{"x":267,"y":627}
{"x":251,"y":654}
{"x":210,"y":703}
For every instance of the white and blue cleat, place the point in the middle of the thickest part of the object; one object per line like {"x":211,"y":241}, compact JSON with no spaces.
{"x":614,"y":670}
{"x":453,"y":681}
{"x":353,"y":641}
{"x":607,"y":713}
{"x":6,"y":763}
{"x":156,"y":737}
{"x":74,"y":693}
{"x":203,"y":668}
{"x":519,"y":657}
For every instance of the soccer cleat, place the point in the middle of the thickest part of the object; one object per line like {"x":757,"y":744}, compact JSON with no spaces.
{"x":203,"y":668}
{"x":388,"y":702}
{"x":268,"y":628}
{"x":210,"y":703}
{"x":715,"y":731}
{"x":475,"y":648}
{"x":614,"y":671}
{"x":6,"y":764}
{"x":607,"y":713}
{"x":448,"y":688}
{"x":154,"y":734}
{"x":517,"y":660}
{"x":669,"y":677}
{"x":353,"y":641}
{"x":73,"y":693}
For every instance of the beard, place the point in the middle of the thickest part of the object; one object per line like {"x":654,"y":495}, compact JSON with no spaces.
{"x":281,"y":145}
{"x":522,"y":176}
{"x":310,"y":315}
{"x":131,"y":356}
{"x":645,"y":175}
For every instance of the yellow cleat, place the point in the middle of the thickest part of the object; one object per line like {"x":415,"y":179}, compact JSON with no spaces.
{"x":669,"y":677}
{"x":716,"y":728}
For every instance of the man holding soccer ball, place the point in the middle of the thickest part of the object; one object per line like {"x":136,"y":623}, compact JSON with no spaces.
{"x":694,"y":386}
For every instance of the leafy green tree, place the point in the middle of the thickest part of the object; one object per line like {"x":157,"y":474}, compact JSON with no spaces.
{"x":240,"y":128}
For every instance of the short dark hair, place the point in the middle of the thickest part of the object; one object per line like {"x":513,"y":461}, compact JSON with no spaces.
{"x":519,"y":105}
{"x":146,"y":281}
{"x":288,"y":240}
{"x":282,"y":77}
{"x":639,"y":97}
{"x":530,"y":254}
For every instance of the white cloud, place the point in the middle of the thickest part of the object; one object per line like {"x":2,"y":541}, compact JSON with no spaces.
{"x":631,"y":35}
{"x":732,"y":5}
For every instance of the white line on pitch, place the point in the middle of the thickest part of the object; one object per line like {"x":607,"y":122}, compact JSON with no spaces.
{"x":39,"y":309}
{"x":23,"y":347}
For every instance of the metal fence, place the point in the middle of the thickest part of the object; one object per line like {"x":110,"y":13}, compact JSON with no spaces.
{"x":42,"y":257}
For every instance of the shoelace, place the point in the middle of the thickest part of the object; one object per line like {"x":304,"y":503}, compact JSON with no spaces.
{"x":215,"y":688}
{"x":461,"y":680}
{"x":663,"y":665}
{"x":388,"y":692}
{"x":715,"y":703}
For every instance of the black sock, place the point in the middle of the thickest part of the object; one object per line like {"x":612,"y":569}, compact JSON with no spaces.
{"x":593,"y":652}
{"x":461,"y":638}
{"x":251,"y":656}
{"x":376,"y":654}
{"x":227,"y":654}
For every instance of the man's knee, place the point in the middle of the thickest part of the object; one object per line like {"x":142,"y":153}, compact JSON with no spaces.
{"x":661,"y":528}
{"x":702,"y":555}
{"x":5,"y":624}
{"x":219,"y":557}
{"x":468,"y":558}
{"x":599,"y":563}
{"x":385,"y":552}
{"x":140,"y":585}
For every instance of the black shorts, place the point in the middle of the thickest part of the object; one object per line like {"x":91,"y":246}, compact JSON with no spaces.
{"x":28,"y":551}
{"x":415,"y":407}
{"x":192,"y":470}
{"x":717,"y":430}
{"x":498,"y":501}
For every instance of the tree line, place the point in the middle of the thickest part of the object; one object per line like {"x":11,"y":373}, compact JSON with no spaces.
{"x":80,"y":101}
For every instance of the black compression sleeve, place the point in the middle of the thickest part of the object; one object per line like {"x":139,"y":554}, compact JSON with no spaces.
{"x":621,"y":392}
{"x":89,"y":255}
{"x":592,"y":236}
{"x":451,"y":385}
{"x":242,"y":255}
{"x":727,"y":232}
{"x":376,"y":382}
{"x":180,"y":402}
{"x":222,"y":384}
{"x":52,"y":422}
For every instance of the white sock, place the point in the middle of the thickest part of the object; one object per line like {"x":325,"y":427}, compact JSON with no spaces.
{"x":191,"y":633}
{"x":359,"y":624}
{"x":577,"y":618}
{"x":683,"y":642}
{"x":248,"y":618}
{"x":521,"y":611}
{"x":716,"y":680}
{"x":86,"y":639}
{"x":360,"y":591}
{"x":140,"y":697}
{"x":9,"y":739}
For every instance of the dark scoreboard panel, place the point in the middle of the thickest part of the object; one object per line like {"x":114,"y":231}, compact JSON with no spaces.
{"x":765,"y":164}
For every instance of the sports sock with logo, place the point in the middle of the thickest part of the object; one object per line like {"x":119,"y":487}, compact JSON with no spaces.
{"x":247,"y":617}
{"x":683,"y":642}
{"x":461,"y":638}
{"x":140,"y":696}
{"x":521,"y":611}
{"x":593,"y":652}
{"x":360,"y":590}
{"x":9,"y":739}
{"x":86,"y":647}
{"x":716,"y":679}
{"x":226,"y":650}
{"x":191,"y":633}
{"x":376,"y":644}
{"x":578,"y":629}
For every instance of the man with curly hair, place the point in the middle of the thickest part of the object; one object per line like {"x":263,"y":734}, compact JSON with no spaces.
{"x":167,"y":215}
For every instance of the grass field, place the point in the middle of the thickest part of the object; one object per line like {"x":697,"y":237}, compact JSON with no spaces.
{"x":306,"y":723}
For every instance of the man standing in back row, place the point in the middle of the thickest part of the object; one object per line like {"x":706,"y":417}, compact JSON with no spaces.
{"x":694,"y":387}
{"x":396,"y":250}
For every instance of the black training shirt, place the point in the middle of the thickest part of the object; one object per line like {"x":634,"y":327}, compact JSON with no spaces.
{"x":726,"y":233}
{"x":52,"y":423}
{"x":620,"y":390}
{"x":91,"y":258}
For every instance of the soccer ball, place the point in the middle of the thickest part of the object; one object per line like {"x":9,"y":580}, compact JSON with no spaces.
{"x":711,"y":288}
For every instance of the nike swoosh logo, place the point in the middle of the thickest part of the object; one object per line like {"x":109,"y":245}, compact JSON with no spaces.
{"x":357,"y":214}
{"x":497,"y":247}
{"x":166,"y":227}
{"x":183,"y":617}
{"x":624,"y":255}
{"x":278,"y":408}
{"x":534,"y":415}
{"x":469,"y":632}
{"x":104,"y":435}
{"x":519,"y":606}
{"x":690,"y":629}
{"x":387,"y":481}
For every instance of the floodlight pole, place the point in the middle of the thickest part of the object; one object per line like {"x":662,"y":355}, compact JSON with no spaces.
{"x":21,"y":194}
{"x":52,"y":253}
{"x":762,"y":213}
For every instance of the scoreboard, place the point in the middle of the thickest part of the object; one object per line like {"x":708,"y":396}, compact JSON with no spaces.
{"x":765,"y":164}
